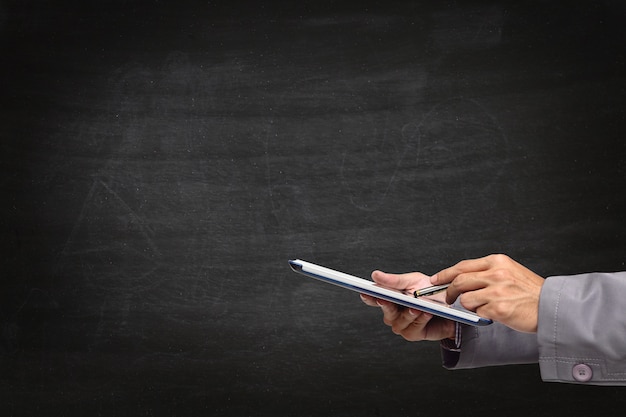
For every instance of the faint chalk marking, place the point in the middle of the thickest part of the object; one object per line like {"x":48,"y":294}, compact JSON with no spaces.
{"x":144,"y":228}
{"x":411,"y":134}
{"x":431,"y":137}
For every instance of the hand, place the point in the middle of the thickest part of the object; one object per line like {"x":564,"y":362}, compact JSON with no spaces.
{"x":495,"y":287}
{"x":409,"y":323}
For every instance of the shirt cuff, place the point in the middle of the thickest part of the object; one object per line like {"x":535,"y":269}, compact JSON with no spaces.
{"x":451,"y":348}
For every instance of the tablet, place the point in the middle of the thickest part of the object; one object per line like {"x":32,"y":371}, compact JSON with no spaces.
{"x":368,"y":287}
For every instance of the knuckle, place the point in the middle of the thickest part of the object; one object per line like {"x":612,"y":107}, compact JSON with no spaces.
{"x":499,"y":258}
{"x":464,"y":264}
{"x":496,"y":292}
{"x":500,"y":311}
{"x":458,"y":282}
{"x":501,"y":274}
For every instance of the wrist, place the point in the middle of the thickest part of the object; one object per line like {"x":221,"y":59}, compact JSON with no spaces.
{"x":453,"y":343}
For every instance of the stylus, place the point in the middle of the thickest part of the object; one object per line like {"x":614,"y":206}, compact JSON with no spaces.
{"x":430,"y":290}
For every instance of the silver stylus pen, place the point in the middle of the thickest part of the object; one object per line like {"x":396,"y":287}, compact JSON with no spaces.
{"x":430,"y":290}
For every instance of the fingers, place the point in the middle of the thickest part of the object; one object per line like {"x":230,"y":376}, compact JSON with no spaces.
{"x":399,"y":318}
{"x":496,"y":287}
{"x":406,"y":322}
{"x":464,"y":283}
{"x":470,"y":265}
{"x":390,"y":310}
{"x":472,"y":300}
{"x":469,"y":275}
{"x":418,"y":328}
{"x":392,"y":313}
{"x":369,"y":300}
{"x":412,"y":325}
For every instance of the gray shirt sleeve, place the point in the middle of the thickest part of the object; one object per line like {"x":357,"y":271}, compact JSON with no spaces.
{"x":582,"y":329}
{"x":494,"y":345}
{"x":581,"y":335}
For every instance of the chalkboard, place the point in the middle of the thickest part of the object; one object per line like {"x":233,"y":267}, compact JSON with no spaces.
{"x":163,"y":160}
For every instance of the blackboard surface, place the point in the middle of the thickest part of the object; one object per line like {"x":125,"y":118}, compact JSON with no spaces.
{"x":161,"y":162}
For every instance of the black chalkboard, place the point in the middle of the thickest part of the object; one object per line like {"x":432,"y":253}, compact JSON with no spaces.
{"x":163,"y":160}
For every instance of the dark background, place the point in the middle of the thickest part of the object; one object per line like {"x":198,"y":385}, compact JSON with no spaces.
{"x":161,"y":162}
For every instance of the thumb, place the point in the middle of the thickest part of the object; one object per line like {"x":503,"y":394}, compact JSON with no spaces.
{"x":396,"y":281}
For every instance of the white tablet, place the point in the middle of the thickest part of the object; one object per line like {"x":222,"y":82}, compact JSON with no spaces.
{"x":368,"y":287}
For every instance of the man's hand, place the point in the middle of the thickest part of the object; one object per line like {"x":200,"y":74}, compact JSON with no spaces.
{"x":495,"y":287}
{"x":409,"y":323}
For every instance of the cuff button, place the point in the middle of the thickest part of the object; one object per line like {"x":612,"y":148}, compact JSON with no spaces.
{"x":582,"y":372}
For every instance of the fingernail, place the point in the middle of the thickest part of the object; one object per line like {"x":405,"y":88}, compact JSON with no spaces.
{"x":412,"y":312}
{"x":434,"y":279}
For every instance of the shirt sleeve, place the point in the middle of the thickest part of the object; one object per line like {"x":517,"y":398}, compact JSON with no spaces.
{"x":582,"y":329}
{"x":581,"y":334}
{"x":493,"y":345}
